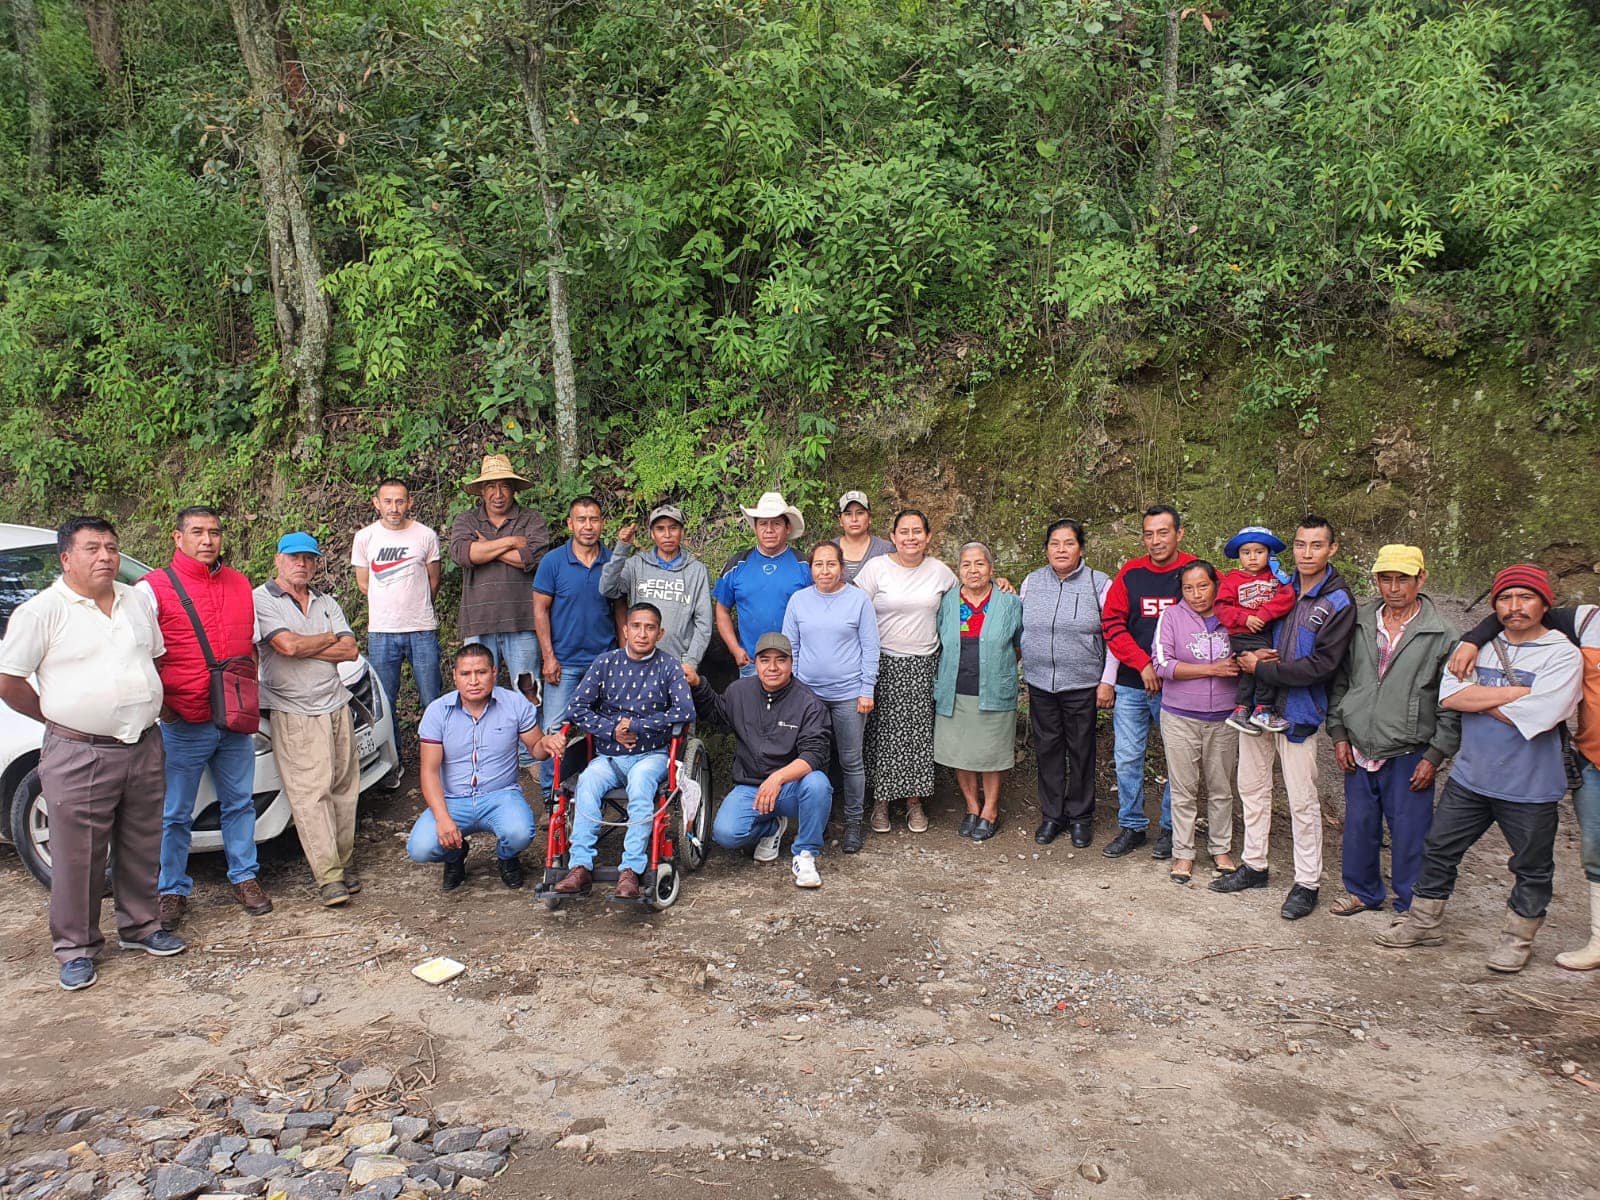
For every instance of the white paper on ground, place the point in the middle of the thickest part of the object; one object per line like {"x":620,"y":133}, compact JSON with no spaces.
{"x":438,"y":970}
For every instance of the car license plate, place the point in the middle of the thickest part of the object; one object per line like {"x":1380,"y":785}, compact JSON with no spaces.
{"x":366,"y":743}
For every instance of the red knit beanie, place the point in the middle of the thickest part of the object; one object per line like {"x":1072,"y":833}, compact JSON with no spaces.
{"x":1524,"y":575}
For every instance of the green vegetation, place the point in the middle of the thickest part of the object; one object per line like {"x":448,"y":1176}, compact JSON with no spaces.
{"x":779,"y":224}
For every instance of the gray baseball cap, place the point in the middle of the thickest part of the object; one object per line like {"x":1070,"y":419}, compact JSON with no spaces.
{"x":853,"y":497}
{"x":774,"y":641}
{"x":670,"y":511}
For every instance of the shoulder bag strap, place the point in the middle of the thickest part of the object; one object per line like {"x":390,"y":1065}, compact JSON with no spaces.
{"x":194,"y":617}
{"x":1593,"y":613}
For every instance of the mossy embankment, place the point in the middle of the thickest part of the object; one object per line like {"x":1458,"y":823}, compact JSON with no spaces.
{"x":1402,"y":448}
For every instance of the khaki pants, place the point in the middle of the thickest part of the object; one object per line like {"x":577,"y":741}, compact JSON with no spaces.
{"x":1299,"y":763}
{"x":322,"y":777}
{"x":102,"y":799}
{"x":1200,"y":755}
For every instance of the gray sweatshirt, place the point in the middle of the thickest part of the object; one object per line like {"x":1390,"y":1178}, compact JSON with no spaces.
{"x":682,"y":592}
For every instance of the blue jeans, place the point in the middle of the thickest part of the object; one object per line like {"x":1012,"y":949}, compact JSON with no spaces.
{"x":1370,"y":799}
{"x":748,"y":669}
{"x":849,"y":728}
{"x":642,"y":774}
{"x":807,"y":801}
{"x":556,"y":698}
{"x":504,"y":813}
{"x":193,"y":747}
{"x":1586,"y":800}
{"x":387,"y":651}
{"x":518,"y":653}
{"x":1131,"y":717}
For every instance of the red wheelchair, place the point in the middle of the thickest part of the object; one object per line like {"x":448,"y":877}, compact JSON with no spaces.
{"x":677,"y":843}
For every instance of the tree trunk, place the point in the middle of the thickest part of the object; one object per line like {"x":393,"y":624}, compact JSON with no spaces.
{"x":529,"y":59}
{"x":304,"y":318}
{"x":105,"y":39}
{"x":1169,"y":103}
{"x":41,"y":120}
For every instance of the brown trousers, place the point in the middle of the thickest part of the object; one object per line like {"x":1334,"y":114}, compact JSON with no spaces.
{"x":321,"y":775}
{"x":102,"y":798}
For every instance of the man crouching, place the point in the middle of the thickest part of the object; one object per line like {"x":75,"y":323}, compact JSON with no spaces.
{"x":780,"y":760}
{"x":469,"y":771}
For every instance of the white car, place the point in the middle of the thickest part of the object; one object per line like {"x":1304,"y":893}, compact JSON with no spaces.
{"x":28,"y":564}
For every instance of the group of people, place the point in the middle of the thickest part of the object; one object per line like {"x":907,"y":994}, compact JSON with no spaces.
{"x":862,"y":665}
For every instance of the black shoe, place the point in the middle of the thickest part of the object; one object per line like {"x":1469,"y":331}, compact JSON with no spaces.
{"x":511,"y":872}
{"x":1163,"y":846}
{"x":1300,"y":903}
{"x":1047,"y":832}
{"x":851,"y":841}
{"x":455,"y":870}
{"x":1126,"y":841}
{"x":1237,"y":881}
{"x":967,"y":824}
{"x":1082,"y":833}
{"x":983,"y":830}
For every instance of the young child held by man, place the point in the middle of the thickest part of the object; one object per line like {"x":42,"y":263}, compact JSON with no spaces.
{"x":1250,"y":600}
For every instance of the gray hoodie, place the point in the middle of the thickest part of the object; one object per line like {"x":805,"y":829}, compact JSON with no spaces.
{"x":681,"y":592}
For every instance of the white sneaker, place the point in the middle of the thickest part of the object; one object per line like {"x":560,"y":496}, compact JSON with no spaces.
{"x":767,"y":847}
{"x":805,"y":870}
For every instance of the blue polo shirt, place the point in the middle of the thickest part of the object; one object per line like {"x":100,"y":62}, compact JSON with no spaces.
{"x":480,"y":753}
{"x":581,"y":626}
{"x":758,"y":587}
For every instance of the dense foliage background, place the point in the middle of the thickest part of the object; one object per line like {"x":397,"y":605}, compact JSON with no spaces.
{"x":777,"y":218}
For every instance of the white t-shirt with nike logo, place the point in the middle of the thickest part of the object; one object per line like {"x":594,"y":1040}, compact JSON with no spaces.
{"x":398,"y":597}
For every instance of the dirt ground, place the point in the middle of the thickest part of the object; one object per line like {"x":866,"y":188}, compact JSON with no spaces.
{"x":942,"y":1018}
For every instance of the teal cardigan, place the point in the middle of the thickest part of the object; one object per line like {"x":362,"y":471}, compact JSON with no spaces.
{"x":997,"y":653}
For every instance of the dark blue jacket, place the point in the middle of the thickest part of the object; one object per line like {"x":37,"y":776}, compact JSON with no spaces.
{"x":1311,"y":644}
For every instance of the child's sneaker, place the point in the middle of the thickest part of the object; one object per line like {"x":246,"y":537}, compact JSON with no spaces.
{"x":1240,"y":720}
{"x":1270,"y":721}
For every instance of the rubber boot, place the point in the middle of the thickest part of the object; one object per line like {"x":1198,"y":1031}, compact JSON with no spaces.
{"x":1588,"y":958}
{"x":1419,"y":928}
{"x":1515,"y":947}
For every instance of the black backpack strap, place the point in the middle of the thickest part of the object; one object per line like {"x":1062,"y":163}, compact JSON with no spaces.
{"x":194,"y":617}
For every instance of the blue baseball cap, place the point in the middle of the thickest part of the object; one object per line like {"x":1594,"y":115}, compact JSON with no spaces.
{"x":1259,"y":534}
{"x":299,"y":543}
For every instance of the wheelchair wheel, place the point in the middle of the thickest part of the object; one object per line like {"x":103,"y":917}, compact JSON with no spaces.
{"x":551,"y":903}
{"x":664,"y":893}
{"x":694,"y":837}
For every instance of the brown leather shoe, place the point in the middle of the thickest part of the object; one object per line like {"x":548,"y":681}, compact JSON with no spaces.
{"x":172,"y":909}
{"x":575,"y":882}
{"x":252,"y":898}
{"x":627,"y":885}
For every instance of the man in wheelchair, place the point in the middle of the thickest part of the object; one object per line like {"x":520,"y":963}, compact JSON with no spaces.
{"x":780,"y":760}
{"x":629,"y":701}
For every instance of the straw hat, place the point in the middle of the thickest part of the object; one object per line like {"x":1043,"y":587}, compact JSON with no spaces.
{"x":772,"y":504}
{"x":497,"y":467}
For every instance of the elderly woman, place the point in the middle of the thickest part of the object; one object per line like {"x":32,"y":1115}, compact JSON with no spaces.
{"x":1069,"y":675}
{"x":975,"y":692}
{"x":905,"y":589}
{"x":1192,"y":657}
{"x":834,"y":633}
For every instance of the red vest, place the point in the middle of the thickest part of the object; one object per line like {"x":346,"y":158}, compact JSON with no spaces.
{"x":222,"y":597}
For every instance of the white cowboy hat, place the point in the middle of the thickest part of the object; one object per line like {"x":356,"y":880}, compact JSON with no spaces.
{"x":497,"y":467}
{"x":772,"y":504}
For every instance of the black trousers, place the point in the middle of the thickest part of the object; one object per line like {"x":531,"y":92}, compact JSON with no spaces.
{"x":1063,"y":735}
{"x":1248,"y":691}
{"x":1462,"y":817}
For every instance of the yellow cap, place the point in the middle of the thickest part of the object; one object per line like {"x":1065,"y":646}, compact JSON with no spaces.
{"x":1405,"y":559}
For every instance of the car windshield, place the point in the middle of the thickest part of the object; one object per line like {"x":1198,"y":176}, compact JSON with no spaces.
{"x":25,"y":571}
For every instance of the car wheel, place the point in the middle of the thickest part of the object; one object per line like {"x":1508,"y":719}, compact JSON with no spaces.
{"x":30,"y":826}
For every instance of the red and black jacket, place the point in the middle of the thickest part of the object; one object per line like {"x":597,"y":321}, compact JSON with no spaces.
{"x":1133,"y":605}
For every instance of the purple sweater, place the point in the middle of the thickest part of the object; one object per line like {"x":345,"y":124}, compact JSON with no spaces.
{"x":1184,"y":636}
